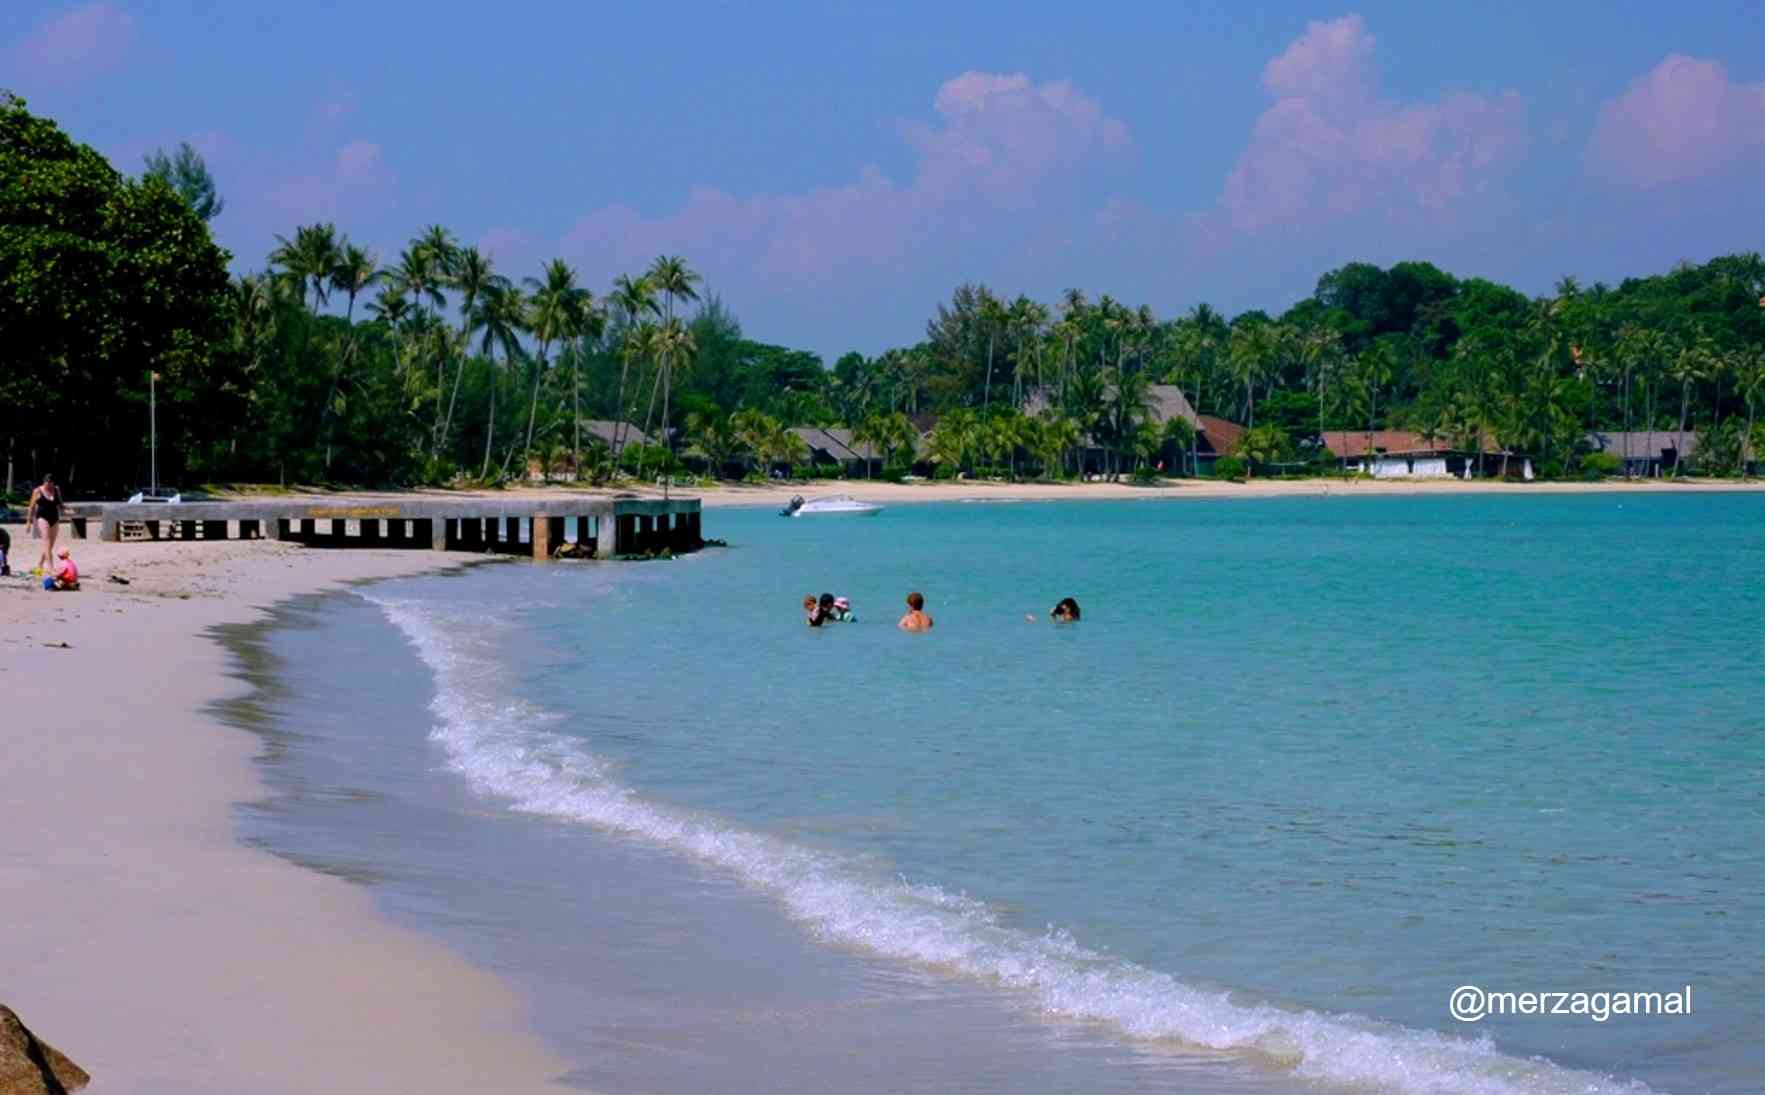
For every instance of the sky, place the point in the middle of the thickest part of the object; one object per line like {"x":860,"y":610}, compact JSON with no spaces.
{"x":835,"y":170}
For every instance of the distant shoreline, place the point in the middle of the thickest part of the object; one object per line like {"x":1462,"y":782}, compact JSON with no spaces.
{"x":731,"y":495}
{"x":723,"y":495}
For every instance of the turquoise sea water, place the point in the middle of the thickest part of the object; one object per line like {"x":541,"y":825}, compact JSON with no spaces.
{"x":1305,"y":767}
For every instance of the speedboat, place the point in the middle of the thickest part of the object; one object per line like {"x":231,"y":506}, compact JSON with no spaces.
{"x":833,"y":505}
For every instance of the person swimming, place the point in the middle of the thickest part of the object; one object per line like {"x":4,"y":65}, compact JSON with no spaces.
{"x":812,"y":611}
{"x":1066,"y":611}
{"x":842,"y":611}
{"x":916,"y":618}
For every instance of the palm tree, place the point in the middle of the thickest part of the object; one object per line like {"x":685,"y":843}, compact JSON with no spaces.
{"x":718,"y":438}
{"x":678,"y":349}
{"x":499,"y":315}
{"x":1128,"y":405}
{"x":869,"y":430}
{"x":1749,"y":374}
{"x":474,"y":277}
{"x":590,"y":323}
{"x":420,"y":274}
{"x":438,"y":245}
{"x":954,"y":437}
{"x":1028,"y":318}
{"x":554,"y":308}
{"x":1693,"y":363}
{"x":1251,"y":354}
{"x":312,"y":256}
{"x":991,"y":315}
{"x":675,"y":281}
{"x":354,"y":271}
{"x":635,"y":300}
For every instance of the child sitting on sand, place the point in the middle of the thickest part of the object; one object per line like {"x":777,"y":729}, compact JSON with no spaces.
{"x":66,"y":575}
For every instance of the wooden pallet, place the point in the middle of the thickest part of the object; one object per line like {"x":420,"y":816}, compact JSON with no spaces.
{"x":132,"y":530}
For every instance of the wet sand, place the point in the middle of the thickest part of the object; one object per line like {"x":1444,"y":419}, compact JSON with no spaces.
{"x":140,"y":937}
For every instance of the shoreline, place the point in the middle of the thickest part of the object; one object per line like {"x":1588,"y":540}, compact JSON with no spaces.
{"x":727,"y":494}
{"x":143,"y":939}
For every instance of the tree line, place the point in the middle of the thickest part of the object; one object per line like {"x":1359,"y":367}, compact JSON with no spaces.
{"x":333,"y":364}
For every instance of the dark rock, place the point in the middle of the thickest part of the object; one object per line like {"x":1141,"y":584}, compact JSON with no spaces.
{"x":32,"y":1067}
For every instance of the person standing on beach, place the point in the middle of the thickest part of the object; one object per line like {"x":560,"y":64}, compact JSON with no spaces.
{"x":44,"y":518}
{"x":916,"y":618}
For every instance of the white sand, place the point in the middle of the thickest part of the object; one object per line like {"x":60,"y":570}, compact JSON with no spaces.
{"x":136,"y":935}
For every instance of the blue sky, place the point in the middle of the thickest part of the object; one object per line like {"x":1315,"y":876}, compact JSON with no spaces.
{"x":835,"y":169}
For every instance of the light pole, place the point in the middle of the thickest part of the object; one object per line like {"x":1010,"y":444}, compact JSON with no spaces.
{"x":152,"y":432}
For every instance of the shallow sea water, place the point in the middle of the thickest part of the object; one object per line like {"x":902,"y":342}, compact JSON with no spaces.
{"x":1306,"y":766}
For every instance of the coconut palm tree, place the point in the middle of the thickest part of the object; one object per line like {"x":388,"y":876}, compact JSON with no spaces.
{"x":590,"y":322}
{"x":554,"y":306}
{"x":438,"y":245}
{"x":499,"y":316}
{"x":473,"y":276}
{"x":420,"y":275}
{"x":311,"y":256}
{"x":1693,"y":363}
{"x":635,"y":300}
{"x":1749,"y":378}
{"x":717,"y":437}
{"x":679,"y":348}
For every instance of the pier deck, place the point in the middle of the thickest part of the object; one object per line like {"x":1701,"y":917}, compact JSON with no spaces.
{"x":611,"y":526}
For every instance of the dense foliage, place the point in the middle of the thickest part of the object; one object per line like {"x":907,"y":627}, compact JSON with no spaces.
{"x":104,"y":280}
{"x":334,"y":365}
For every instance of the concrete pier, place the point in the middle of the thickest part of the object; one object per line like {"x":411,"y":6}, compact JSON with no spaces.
{"x":612,"y":527}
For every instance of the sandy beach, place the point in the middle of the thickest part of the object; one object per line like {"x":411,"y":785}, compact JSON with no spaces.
{"x":140,"y":938}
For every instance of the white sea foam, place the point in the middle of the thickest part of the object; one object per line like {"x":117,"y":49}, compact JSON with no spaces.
{"x":500,"y":745}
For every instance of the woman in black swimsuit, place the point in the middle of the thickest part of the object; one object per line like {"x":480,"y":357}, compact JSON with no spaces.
{"x":44,"y":518}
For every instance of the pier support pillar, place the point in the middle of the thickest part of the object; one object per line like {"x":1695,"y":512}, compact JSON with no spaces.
{"x":186,"y":530}
{"x":542,"y":529}
{"x":309,"y":530}
{"x":276,"y":529}
{"x":434,"y":529}
{"x":493,"y":533}
{"x":471,"y":533}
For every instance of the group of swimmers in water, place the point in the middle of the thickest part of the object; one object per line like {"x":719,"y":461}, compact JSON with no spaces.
{"x":826,"y":609}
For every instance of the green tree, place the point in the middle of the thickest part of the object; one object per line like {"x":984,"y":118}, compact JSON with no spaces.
{"x":187,"y":175}
{"x":103,"y":280}
{"x":555,"y":306}
{"x":1262,"y":445}
{"x":1692,"y":364}
{"x":474,"y":277}
{"x":500,"y":317}
{"x":634,"y":299}
{"x":311,"y":257}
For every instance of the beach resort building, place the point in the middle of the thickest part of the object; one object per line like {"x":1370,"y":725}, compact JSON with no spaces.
{"x":1215,"y":437}
{"x":594,"y":432}
{"x":1647,"y":454}
{"x":1402,"y":454}
{"x":836,"y":445}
